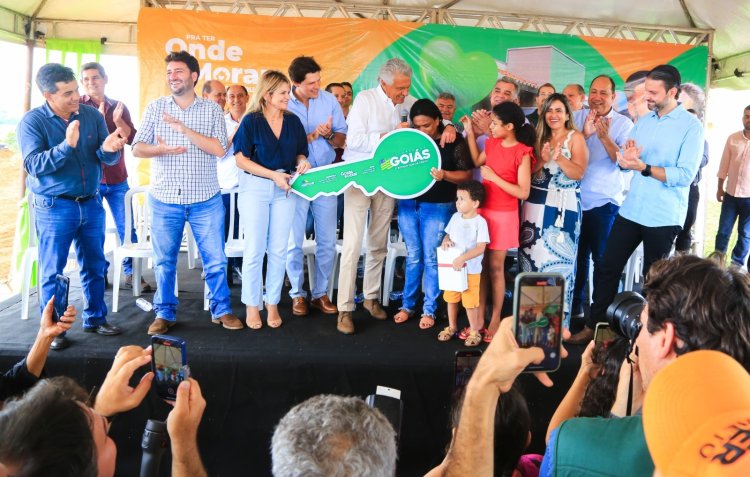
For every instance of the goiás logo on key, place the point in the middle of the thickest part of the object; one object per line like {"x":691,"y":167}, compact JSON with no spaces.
{"x":405,"y":159}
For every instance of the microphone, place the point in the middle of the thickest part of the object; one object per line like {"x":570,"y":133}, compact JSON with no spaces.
{"x":153,"y":444}
{"x":404,"y":115}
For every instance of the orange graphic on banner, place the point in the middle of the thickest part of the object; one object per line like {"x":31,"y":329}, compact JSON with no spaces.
{"x":621,"y":54}
{"x":237,"y":48}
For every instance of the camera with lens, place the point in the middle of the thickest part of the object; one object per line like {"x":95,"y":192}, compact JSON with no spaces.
{"x":624,"y":315}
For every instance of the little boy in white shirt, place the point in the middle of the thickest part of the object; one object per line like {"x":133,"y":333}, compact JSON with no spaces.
{"x":468,"y":231}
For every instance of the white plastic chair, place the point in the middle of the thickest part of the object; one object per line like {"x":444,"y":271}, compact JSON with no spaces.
{"x":234,"y":247}
{"x":334,"y":281}
{"x":633,"y":269}
{"x":137,"y":251}
{"x":396,"y":249}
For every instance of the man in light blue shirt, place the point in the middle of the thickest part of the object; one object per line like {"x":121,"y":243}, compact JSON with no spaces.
{"x":324,"y":123}
{"x":664,"y":153}
{"x":603,"y":185}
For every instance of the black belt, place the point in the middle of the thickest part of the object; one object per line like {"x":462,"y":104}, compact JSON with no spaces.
{"x":83,"y":198}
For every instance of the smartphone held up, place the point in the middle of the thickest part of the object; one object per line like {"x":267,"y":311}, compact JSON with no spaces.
{"x":169,"y":364}
{"x":538,"y":311}
{"x":62,"y":288}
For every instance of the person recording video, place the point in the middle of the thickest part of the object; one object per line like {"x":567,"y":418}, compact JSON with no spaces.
{"x":54,"y":429}
{"x":27,"y":372}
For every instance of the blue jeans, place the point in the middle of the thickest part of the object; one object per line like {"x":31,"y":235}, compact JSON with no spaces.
{"x":596,"y":224}
{"x":422,"y":226}
{"x":267,"y":213}
{"x":206,"y":220}
{"x":324,"y":217}
{"x":60,"y":222}
{"x":734,"y":208}
{"x":114,"y":194}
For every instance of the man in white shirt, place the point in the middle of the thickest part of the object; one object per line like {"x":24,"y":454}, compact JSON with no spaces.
{"x":375,"y":113}
{"x":226,"y":168}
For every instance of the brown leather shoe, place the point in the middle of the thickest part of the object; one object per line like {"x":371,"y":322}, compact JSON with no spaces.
{"x":376,"y":311}
{"x":299,"y":306}
{"x":160,"y":326}
{"x":582,"y":337}
{"x":228,"y":321}
{"x":324,"y":304}
{"x":345,"y":324}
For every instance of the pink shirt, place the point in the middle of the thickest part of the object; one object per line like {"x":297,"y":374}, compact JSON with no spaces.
{"x":735,"y":165}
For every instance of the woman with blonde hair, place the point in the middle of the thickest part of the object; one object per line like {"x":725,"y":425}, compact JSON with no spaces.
{"x":270,"y":147}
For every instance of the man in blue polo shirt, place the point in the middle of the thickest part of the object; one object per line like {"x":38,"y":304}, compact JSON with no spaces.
{"x":604,"y":184}
{"x":664,"y":153}
{"x":64,"y":145}
{"x":324,"y":123}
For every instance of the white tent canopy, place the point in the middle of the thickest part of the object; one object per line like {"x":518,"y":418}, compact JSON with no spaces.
{"x":722,"y":24}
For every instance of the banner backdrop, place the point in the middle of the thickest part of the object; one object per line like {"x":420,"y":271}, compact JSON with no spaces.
{"x":466,"y":61}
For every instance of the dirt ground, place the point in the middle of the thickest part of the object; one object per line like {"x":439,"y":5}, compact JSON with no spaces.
{"x":10,"y":171}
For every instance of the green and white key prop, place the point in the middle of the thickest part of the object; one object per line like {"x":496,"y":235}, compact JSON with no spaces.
{"x":400,"y":168}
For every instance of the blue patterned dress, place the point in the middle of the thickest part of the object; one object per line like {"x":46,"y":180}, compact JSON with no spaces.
{"x":551,"y":225}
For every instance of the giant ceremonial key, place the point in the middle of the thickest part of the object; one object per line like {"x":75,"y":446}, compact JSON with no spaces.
{"x":400,"y":168}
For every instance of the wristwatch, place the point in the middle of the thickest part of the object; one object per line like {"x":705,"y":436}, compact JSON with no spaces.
{"x":647,"y":171}
{"x":331,"y":136}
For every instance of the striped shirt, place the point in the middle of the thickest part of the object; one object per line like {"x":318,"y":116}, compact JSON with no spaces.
{"x":190,"y":177}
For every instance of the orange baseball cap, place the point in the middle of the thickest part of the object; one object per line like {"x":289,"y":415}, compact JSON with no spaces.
{"x":696,"y":417}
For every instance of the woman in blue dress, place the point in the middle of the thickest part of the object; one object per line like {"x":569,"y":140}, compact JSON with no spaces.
{"x":551,"y":216}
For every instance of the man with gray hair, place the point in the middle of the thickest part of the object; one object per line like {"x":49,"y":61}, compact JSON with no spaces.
{"x":215,"y":91}
{"x":375,"y":113}
{"x":505,"y":89}
{"x":333,"y":436}
{"x":576,"y":96}
{"x":446,"y":103}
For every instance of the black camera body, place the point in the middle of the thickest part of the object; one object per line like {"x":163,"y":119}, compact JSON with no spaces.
{"x":624,"y":314}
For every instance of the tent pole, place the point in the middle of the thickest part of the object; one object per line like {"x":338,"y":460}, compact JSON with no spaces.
{"x":27,"y":101}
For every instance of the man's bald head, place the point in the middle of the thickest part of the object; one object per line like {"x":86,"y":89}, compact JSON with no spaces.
{"x":214,"y":90}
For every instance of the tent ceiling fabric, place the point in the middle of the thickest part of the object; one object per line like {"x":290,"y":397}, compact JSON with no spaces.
{"x":729,"y":18}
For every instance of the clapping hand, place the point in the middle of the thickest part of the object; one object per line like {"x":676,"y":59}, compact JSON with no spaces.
{"x":589,"y":126}
{"x":174,"y":123}
{"x":629,"y":158}
{"x":72,"y":133}
{"x":166,"y":150}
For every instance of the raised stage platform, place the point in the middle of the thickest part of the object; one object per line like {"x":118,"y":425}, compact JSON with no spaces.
{"x":251,"y":378}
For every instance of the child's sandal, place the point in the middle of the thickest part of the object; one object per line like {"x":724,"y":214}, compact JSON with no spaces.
{"x":473,"y":339}
{"x":446,"y":334}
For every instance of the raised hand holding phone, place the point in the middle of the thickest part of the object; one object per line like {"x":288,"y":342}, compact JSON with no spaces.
{"x":538,"y":310}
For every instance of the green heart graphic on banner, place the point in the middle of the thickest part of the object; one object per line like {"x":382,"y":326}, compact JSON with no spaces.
{"x":400,"y":168}
{"x":446,"y":67}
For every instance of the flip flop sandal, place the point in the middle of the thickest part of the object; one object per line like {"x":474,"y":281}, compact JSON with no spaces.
{"x":487,"y":338}
{"x":446,"y":334}
{"x":402,"y":316}
{"x":426,"y":322}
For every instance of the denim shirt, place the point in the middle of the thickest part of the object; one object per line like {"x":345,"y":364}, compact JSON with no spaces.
{"x":675,"y":142}
{"x":53,"y":166}
{"x":317,"y":112}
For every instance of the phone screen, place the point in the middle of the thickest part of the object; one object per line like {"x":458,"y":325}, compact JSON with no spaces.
{"x":466,"y":361}
{"x":603,"y":333}
{"x":538,"y":308}
{"x":169,"y":364}
{"x":62,"y":286}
